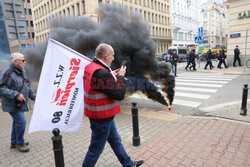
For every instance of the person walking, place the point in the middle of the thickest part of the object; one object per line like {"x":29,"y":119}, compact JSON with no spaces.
{"x":103,"y":88}
{"x":188,"y":57}
{"x":174,"y":59}
{"x":236,"y":56}
{"x":15,"y":92}
{"x":208,"y":58}
{"x":222,"y":57}
{"x":192,"y":59}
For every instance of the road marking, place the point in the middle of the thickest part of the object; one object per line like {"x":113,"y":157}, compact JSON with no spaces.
{"x":192,"y":95}
{"x":203,"y":78}
{"x":199,"y":84}
{"x":186,"y":103}
{"x":201,"y":81}
{"x":208,"y":74}
{"x":196,"y":89}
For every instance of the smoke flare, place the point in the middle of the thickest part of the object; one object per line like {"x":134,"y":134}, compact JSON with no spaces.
{"x":127,"y":33}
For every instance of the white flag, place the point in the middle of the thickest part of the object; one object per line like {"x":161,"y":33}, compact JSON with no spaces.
{"x":59,"y":99}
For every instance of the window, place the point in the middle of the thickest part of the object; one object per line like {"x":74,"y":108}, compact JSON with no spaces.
{"x":28,"y":1}
{"x":83,"y":7}
{"x":23,"y":46}
{"x":78,"y":9}
{"x":204,"y":15}
{"x":25,"y":11}
{"x":30,"y":12}
{"x":204,"y":23}
{"x":73,"y":10}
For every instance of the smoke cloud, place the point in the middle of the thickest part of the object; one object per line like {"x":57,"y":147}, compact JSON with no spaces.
{"x":126,"y":32}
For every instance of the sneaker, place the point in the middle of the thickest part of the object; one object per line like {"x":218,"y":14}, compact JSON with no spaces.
{"x":138,"y":163}
{"x":13,"y":145}
{"x":23,"y":148}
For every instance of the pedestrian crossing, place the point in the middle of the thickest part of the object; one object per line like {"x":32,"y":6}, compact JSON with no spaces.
{"x":191,"y":89}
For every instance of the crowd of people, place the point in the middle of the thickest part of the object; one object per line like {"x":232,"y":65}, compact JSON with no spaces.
{"x":192,"y":56}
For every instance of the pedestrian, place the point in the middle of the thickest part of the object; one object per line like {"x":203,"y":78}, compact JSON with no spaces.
{"x":15,"y":92}
{"x":222,"y":57}
{"x":236,"y":56}
{"x":192,"y":59}
{"x":103,"y":88}
{"x":208,"y":58}
{"x":188,"y":57}
{"x":174,"y":59}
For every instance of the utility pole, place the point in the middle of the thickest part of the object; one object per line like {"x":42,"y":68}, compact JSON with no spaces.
{"x":245,"y":57}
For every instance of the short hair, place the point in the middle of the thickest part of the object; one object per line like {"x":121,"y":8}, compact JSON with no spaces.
{"x":15,"y":56}
{"x":236,"y":45}
{"x":102,"y":49}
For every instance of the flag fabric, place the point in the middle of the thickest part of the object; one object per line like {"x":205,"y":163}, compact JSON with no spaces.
{"x":59,"y":100}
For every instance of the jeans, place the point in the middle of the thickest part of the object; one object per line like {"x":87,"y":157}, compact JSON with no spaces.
{"x":102,"y":132}
{"x":18,"y":127}
{"x":174,"y":68}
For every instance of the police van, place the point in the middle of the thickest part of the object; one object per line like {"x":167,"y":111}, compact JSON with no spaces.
{"x":181,"y":51}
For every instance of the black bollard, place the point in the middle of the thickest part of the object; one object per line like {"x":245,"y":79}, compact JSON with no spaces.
{"x":136,"y":137}
{"x":243,"y":110}
{"x":58,"y":148}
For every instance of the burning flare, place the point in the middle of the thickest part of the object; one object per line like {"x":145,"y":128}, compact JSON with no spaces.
{"x":126,"y":32}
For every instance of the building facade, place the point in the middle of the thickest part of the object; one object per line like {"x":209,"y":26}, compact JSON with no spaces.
{"x":156,"y":12}
{"x":214,"y":23}
{"x":239,"y":22}
{"x":4,"y":43}
{"x":185,"y":21}
{"x":18,"y":23}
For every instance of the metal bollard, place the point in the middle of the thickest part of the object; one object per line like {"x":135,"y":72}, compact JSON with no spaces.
{"x":136,"y":137}
{"x":58,"y":148}
{"x":243,"y":110}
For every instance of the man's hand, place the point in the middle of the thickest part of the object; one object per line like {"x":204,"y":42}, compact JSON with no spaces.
{"x":21,"y":98}
{"x":122,"y":71}
{"x":116,"y":72}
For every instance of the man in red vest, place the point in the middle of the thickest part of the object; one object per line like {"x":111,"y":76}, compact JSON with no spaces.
{"x":103,"y":88}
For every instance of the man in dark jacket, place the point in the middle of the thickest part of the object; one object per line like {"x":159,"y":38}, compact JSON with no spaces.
{"x":103,"y":88}
{"x":208,"y":58}
{"x":174,"y":59}
{"x":192,"y":57}
{"x":222,"y":57}
{"x":236,"y":56}
{"x":15,"y":92}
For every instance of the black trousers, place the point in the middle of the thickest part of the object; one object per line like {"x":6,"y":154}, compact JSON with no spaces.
{"x":235,"y":59}
{"x":222,"y":61}
{"x":208,"y":63}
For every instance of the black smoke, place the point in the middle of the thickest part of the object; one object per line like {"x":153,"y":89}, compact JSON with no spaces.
{"x":125,"y":31}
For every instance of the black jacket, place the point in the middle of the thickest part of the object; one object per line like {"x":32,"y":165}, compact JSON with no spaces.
{"x":236,"y":52}
{"x":119,"y":87}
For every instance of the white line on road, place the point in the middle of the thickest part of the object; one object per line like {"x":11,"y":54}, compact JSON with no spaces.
{"x":201,"y":81}
{"x":199,"y":84}
{"x":203,"y":78}
{"x":192,"y":95}
{"x":186,"y":103}
{"x":195,"y":89}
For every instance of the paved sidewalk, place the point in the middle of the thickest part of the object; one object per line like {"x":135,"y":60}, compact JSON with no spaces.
{"x":166,"y":140}
{"x":229,"y":70}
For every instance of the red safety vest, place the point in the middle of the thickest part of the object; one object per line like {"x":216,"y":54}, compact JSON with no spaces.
{"x":96,"y":104}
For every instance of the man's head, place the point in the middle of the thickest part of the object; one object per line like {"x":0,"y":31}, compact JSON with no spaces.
{"x":174,"y":51}
{"x":18,"y":60}
{"x":105,"y":52}
{"x":236,"y":46}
